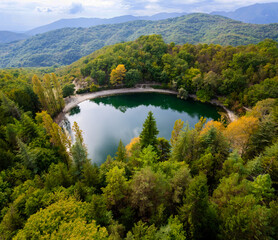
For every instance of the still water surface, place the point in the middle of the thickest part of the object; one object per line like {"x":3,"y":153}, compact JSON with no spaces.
{"x":106,"y":120}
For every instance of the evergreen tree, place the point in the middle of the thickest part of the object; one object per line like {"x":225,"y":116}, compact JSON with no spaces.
{"x":9,"y":107}
{"x":79,"y":150}
{"x":121,"y":152}
{"x":149,"y":132}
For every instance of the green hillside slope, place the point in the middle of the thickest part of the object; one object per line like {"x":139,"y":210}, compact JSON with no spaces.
{"x":67,"y":45}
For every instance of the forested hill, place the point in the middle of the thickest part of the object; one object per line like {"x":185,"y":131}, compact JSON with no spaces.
{"x":67,"y":45}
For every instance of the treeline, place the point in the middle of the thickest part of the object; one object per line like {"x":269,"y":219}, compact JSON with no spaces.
{"x":237,"y":76}
{"x":213,"y":181}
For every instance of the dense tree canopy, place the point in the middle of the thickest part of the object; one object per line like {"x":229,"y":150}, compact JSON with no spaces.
{"x":218,"y":179}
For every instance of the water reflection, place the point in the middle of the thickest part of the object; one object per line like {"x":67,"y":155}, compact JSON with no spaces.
{"x":105,"y":121}
{"x":74,"y":110}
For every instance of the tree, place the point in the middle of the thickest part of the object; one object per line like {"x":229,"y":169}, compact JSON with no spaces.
{"x":68,"y":90}
{"x":147,"y":191}
{"x":9,"y":107}
{"x":141,"y":231}
{"x":176,"y":131}
{"x":57,"y":137}
{"x":163,"y":148}
{"x":149,"y":132}
{"x":116,"y":188}
{"x":130,"y":147}
{"x":50,"y":97}
{"x":183,"y":94}
{"x":121,"y":152}
{"x":240,"y":131}
{"x":58,"y":91}
{"x":65,"y":218}
{"x":197,"y":214}
{"x":39,"y":90}
{"x":78,"y":150}
{"x":117,"y":75}
{"x":132,"y":77}
{"x":49,"y":93}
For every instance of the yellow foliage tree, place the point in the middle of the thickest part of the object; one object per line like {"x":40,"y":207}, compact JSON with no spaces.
{"x":218,"y":125}
{"x":176,"y":131}
{"x":240,"y":131}
{"x":131,"y":144}
{"x":117,"y":75}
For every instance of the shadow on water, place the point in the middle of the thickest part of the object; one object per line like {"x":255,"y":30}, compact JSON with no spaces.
{"x":164,"y":101}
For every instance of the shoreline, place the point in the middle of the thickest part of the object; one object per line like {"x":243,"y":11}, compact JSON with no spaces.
{"x":73,"y":101}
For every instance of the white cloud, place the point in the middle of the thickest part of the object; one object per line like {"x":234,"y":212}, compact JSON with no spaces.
{"x":39,"y":12}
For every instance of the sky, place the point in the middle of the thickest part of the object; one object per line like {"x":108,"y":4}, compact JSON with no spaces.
{"x":22,"y":15}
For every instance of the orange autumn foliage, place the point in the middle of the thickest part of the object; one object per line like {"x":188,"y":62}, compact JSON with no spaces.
{"x":131,"y":144}
{"x":240,"y":131}
{"x":218,"y":125}
{"x":117,"y":75}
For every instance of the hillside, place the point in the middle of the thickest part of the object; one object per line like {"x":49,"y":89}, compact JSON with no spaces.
{"x":64,"y":46}
{"x":258,"y":13}
{"x":7,"y":36}
{"x":89,"y":22}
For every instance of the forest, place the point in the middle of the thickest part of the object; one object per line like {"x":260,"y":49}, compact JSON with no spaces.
{"x":64,"y":46}
{"x":218,"y":180}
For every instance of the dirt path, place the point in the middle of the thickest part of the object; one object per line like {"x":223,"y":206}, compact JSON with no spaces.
{"x":75,"y":100}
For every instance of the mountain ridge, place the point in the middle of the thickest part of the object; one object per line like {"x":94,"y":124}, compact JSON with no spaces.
{"x":259,"y":13}
{"x":89,"y":22}
{"x":64,"y":46}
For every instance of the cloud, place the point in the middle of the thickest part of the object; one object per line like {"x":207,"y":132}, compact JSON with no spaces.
{"x":44,"y":10}
{"x":76,"y":8}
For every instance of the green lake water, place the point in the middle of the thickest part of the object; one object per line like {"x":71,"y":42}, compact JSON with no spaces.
{"x":106,"y":120}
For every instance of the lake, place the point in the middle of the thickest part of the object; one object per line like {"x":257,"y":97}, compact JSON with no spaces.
{"x":106,"y":120}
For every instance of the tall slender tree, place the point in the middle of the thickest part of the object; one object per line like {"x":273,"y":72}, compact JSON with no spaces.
{"x":58,"y":91}
{"x":39,"y":90}
{"x":50,"y":95}
{"x":149,"y":133}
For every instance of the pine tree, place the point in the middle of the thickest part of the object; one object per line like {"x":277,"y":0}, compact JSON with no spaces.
{"x":79,"y":150}
{"x":121,"y":152}
{"x":149,"y":132}
{"x":9,"y":106}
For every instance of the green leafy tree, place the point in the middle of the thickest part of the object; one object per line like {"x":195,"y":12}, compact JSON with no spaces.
{"x":68,"y":90}
{"x":149,"y":132}
{"x":147,"y":191}
{"x":141,"y":231}
{"x":132,"y":77}
{"x":198,"y":215}
{"x":116,"y":188}
{"x":163,"y":148}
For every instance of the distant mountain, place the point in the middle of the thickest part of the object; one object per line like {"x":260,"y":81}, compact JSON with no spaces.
{"x":67,"y":45}
{"x":89,"y":22}
{"x":6,"y":36}
{"x":263,"y":13}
